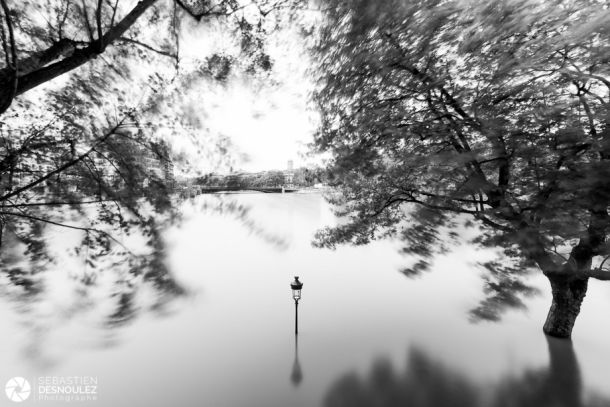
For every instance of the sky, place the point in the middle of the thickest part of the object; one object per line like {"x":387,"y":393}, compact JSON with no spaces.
{"x":262,"y":123}
{"x":267,"y":122}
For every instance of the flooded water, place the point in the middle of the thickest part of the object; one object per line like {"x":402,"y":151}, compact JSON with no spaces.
{"x":368,"y":335}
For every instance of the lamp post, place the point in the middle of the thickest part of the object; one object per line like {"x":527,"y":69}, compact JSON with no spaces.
{"x":296,"y":286}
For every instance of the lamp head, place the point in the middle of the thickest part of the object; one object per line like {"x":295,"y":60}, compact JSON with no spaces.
{"x":296,"y":286}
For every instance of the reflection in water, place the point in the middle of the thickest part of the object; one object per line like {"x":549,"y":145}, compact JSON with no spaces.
{"x":427,"y":383}
{"x":505,"y":275}
{"x":236,"y":254}
{"x":297,"y":374}
{"x":54,"y":276}
{"x":227,"y":204}
{"x":560,"y":385}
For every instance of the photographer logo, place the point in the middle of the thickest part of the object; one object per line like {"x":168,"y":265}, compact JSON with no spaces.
{"x":18,"y":389}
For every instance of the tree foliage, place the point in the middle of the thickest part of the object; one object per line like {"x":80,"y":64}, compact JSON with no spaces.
{"x":496,"y":110}
{"x":87,"y":158}
{"x":44,"y":40}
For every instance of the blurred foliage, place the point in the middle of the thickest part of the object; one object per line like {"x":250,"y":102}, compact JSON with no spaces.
{"x":427,"y":383}
{"x":494,"y":110}
{"x":42,"y":40}
{"x":103,"y":111}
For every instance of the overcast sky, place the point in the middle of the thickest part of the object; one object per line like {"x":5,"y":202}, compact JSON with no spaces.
{"x":267,"y":122}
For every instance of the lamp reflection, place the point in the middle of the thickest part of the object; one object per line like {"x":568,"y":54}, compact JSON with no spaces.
{"x":297,"y":374}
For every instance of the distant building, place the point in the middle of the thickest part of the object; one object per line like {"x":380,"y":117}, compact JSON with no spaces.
{"x":289,"y":174}
{"x":155,"y":161}
{"x":168,"y":168}
{"x":135,"y":162}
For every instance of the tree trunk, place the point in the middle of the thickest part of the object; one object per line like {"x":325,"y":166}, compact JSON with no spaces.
{"x":567,"y":298}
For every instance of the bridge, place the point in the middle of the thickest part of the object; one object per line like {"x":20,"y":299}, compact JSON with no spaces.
{"x":267,"y":190}
{"x":195,"y":190}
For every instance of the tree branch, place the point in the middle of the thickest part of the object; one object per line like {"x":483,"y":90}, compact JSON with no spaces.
{"x":62,"y":167}
{"x":11,"y":35}
{"x":598,"y":273}
{"x":60,"y":28}
{"x":79,"y":56}
{"x":54,"y":203}
{"x":9,"y":81}
{"x":85,"y":14}
{"x":85,"y":229}
{"x":148,"y":47}
{"x":98,"y":19}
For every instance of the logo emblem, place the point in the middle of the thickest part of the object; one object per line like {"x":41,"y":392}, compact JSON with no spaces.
{"x":18,"y":389}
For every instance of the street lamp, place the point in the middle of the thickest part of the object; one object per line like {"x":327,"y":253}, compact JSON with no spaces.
{"x":296,"y":286}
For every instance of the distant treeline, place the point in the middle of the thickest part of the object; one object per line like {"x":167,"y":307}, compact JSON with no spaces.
{"x":299,"y":177}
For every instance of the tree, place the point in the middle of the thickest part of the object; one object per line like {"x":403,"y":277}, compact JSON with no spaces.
{"x":74,"y":33}
{"x":273,"y":178}
{"x":90,"y":154}
{"x":499,"y":111}
{"x":101,"y":137}
{"x":307,"y":177}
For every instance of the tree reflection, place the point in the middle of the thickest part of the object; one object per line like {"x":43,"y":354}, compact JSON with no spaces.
{"x":560,"y":385}
{"x":427,"y":383}
{"x":226,"y":205}
{"x":53,"y":278}
{"x":505,"y":275}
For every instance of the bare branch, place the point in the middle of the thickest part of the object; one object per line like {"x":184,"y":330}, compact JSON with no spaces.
{"x":599,"y":274}
{"x":10,"y":81}
{"x":587,"y":109}
{"x":148,"y":47}
{"x":98,"y":19}
{"x":85,"y":14}
{"x":85,"y":229}
{"x":11,"y":34}
{"x":208,"y":12}
{"x":61,"y":23}
{"x":62,"y":167}
{"x":54,"y":203}
{"x":114,"y":8}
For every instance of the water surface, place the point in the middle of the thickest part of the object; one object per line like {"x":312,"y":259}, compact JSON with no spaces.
{"x":368,"y":335}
